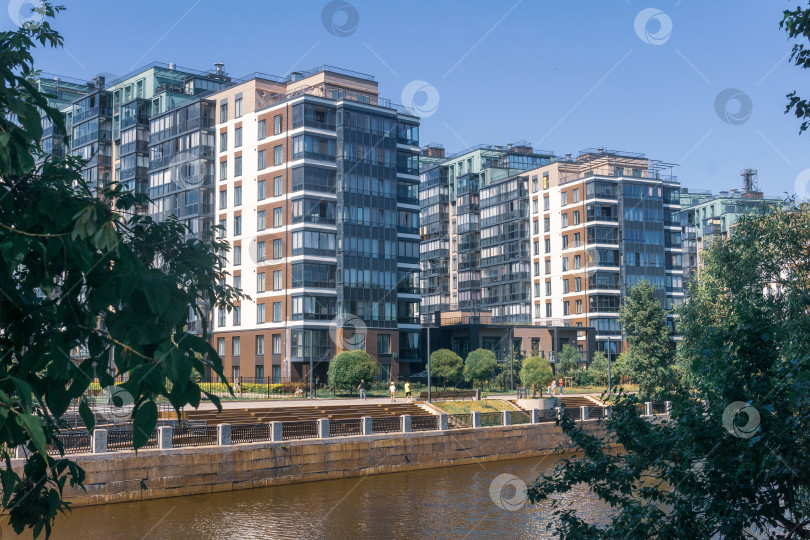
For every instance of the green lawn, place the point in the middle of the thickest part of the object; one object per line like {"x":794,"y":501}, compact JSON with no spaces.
{"x":466,"y":407}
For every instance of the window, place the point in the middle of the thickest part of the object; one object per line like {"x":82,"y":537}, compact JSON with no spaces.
{"x":260,"y":282}
{"x":576,"y":195}
{"x":235,"y":345}
{"x":577,"y":239}
{"x":548,"y":288}
{"x":548,"y":306}
{"x":259,"y":369}
{"x":261,"y":190}
{"x":534,"y":184}
{"x":223,"y":112}
{"x":237,"y":108}
{"x":277,"y":249}
{"x":537,"y":269}
{"x":278,"y":155}
{"x":223,"y":141}
{"x":221,"y":314}
{"x":578,"y":306}
{"x":545,"y":181}
{"x":546,"y":224}
{"x":237,"y":255}
{"x":259,"y":313}
{"x":545,"y":203}
{"x":237,"y":316}
{"x":277,"y":124}
{"x":260,"y":252}
{"x":223,"y":224}
{"x":536,"y":247}
{"x":578,"y":284}
{"x":276,"y":311}
{"x":566,"y":308}
{"x":565,"y":241}
{"x":223,"y":170}
{"x":278,"y":186}
{"x":278,"y":217}
{"x":237,"y":282}
{"x":548,"y":267}
{"x":276,"y":343}
{"x":277,"y":280}
{"x":563,"y":198}
{"x":577,"y":262}
{"x":237,"y":196}
{"x":237,"y":137}
{"x":223,"y":199}
{"x":260,"y":226}
{"x":383,"y":343}
{"x":221,"y":346}
{"x":535,"y":206}
{"x":262,"y":164}
{"x":565,"y":264}
{"x":566,"y":286}
{"x":237,"y":225}
{"x":262,"y":129}
{"x":576,"y":217}
{"x":536,"y":227}
{"x":548,"y":245}
{"x":565,"y":220}
{"x":235,"y":373}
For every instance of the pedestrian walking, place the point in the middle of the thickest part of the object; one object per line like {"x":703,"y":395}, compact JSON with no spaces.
{"x":393,"y":389}
{"x":552,"y":389}
{"x":407,"y":389}
{"x":362,"y":388}
{"x":561,"y":386}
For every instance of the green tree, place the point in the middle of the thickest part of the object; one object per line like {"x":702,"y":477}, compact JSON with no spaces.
{"x":349,"y":367}
{"x":536,"y":373}
{"x":446,"y":365}
{"x":80,"y":270}
{"x":597,"y":371}
{"x":796,"y":23}
{"x":480,"y":366}
{"x":733,"y":463}
{"x":568,"y":361}
{"x":650,"y":354}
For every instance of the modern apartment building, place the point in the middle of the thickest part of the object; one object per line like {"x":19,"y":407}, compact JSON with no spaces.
{"x":600,"y":223}
{"x":451,"y":196}
{"x":706,"y":217}
{"x":317,"y":190}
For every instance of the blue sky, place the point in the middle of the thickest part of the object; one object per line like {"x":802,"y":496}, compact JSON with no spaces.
{"x":562,"y":75}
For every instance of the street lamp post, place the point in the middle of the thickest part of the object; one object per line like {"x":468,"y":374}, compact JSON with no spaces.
{"x":428,"y":361}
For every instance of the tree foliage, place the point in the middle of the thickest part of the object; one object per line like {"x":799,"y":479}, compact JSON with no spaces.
{"x":568,"y":361}
{"x":733,"y":463}
{"x":349,"y":367}
{"x":79,"y":270}
{"x":480,"y":366}
{"x":536,"y":372}
{"x":446,"y":365}
{"x":650,"y":354}
{"x":796,"y":23}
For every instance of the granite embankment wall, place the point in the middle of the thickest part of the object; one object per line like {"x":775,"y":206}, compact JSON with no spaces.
{"x":152,"y":474}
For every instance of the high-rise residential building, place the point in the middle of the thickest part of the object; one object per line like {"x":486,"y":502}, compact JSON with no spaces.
{"x":317,"y":190}
{"x":451,"y":202}
{"x":61,"y":93}
{"x":706,"y":217}
{"x":600,"y":223}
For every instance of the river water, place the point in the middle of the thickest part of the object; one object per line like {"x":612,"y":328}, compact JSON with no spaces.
{"x":451,"y":502}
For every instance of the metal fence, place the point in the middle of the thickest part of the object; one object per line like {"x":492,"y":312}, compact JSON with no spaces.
{"x":424,"y":422}
{"x":73,"y":442}
{"x":244,"y":433}
{"x":574,"y":413}
{"x":596,"y":412}
{"x":491,"y":419}
{"x":455,"y":421}
{"x":520,"y":417}
{"x":339,"y":428}
{"x":194,"y":436}
{"x":121,"y":439}
{"x":386,"y":424}
{"x":299,"y":430}
{"x":659,"y":408}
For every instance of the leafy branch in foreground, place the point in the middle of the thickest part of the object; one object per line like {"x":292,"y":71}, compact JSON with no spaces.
{"x":80,"y":270}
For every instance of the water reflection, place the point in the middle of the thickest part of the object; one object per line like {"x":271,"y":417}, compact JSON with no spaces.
{"x":452,"y":502}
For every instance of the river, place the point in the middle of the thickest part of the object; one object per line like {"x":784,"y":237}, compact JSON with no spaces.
{"x":451,"y":502}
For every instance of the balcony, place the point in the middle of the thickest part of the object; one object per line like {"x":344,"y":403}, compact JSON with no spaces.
{"x":409,"y":352}
{"x":408,"y":320}
{"x":135,"y":172}
{"x":134,"y":146}
{"x":407,"y":230}
{"x":91,"y":113}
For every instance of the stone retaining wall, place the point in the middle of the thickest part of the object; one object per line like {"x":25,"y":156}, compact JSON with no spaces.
{"x":159,"y":473}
